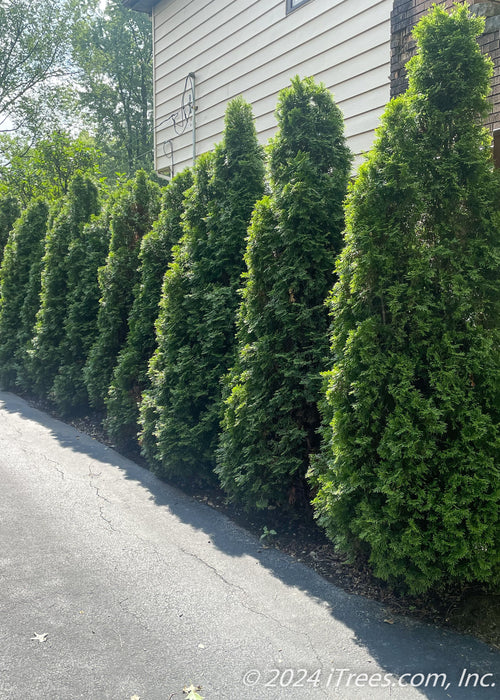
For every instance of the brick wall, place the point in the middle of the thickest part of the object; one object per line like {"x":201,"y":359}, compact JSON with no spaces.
{"x":405,"y":15}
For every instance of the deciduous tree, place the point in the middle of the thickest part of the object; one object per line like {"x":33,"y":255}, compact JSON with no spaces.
{"x":45,"y":168}
{"x":112,"y":49}
{"x":33,"y":56}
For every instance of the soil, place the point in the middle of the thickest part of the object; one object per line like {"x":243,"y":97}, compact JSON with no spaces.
{"x":471,"y":609}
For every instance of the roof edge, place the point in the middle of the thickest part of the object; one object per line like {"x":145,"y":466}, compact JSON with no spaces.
{"x":140,"y":5}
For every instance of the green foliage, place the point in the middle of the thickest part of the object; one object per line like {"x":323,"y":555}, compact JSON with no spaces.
{"x":410,"y":469}
{"x":27,"y":320}
{"x":195,"y":329}
{"x":46,"y":168}
{"x":130,"y":373}
{"x":33,"y":52}
{"x":267,"y":534}
{"x":9,"y":212}
{"x":112,"y":50}
{"x":23,"y":250}
{"x":132,"y":217}
{"x":46,"y":351}
{"x":86,"y":254}
{"x":271,"y":415}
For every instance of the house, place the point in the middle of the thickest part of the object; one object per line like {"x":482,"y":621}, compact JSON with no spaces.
{"x":208,"y":51}
{"x":406,"y":13}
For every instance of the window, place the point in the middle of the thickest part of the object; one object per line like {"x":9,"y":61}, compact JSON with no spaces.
{"x":293,"y":4}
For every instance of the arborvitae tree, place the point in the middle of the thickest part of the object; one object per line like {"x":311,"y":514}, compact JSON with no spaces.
{"x":132,"y":217}
{"x":9,"y":212}
{"x":271,"y":415}
{"x":27,"y":320}
{"x":46,"y":352}
{"x":175,"y":311}
{"x":23,"y":249}
{"x":86,"y":255}
{"x":196,"y":325}
{"x":410,"y":473}
{"x":130,"y":373}
{"x":29,"y":310}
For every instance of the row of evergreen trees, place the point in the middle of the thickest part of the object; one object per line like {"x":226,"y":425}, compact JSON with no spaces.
{"x":195,"y":319}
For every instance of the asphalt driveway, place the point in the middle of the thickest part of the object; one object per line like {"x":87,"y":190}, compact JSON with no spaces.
{"x":114,"y":586}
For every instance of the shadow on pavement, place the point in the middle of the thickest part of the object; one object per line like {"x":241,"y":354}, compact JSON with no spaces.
{"x":406,"y":647}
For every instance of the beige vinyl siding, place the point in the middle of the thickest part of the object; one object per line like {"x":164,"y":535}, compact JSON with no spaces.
{"x":253,"y":49}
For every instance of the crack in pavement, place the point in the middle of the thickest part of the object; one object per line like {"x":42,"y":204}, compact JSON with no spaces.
{"x":232,"y":586}
{"x":150,"y":546}
{"x":101,"y":515}
{"x":103,"y":498}
{"x":52,"y":461}
{"x":248,"y":607}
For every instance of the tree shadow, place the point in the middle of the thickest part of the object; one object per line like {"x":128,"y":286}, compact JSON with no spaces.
{"x":405,"y":647}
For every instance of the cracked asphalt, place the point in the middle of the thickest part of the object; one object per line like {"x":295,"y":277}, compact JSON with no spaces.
{"x":142,"y":591}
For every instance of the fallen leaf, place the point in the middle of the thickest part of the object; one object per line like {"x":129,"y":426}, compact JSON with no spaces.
{"x":192,"y":692}
{"x":39,"y":637}
{"x":389,"y":622}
